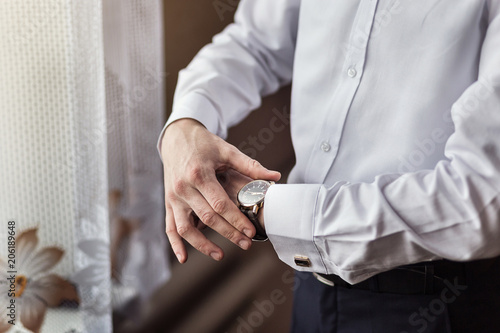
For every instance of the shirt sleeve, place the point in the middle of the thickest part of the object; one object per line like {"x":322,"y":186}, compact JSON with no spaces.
{"x":252,"y":57}
{"x":356,"y":230}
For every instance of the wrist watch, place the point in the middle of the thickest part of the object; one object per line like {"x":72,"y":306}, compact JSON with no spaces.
{"x":250,"y":200}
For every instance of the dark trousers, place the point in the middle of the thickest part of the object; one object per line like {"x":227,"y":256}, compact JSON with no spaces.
{"x":473,"y":307}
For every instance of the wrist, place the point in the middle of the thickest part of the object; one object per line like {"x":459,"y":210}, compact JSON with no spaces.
{"x":176,"y":129}
{"x":182,"y":124}
{"x":260,"y":218}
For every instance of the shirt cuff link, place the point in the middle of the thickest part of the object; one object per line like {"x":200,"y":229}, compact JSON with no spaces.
{"x":302,"y":261}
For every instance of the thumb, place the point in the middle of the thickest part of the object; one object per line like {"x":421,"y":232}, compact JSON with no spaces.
{"x":249,"y":167}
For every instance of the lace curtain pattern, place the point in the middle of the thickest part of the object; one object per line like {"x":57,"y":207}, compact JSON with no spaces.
{"x":81,"y":217}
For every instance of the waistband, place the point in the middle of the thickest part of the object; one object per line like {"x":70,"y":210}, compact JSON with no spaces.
{"x":422,"y":278}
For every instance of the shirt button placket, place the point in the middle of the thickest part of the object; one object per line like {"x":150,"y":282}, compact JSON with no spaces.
{"x":353,"y":67}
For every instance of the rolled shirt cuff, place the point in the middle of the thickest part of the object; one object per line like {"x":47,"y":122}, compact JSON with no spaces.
{"x":291,"y":224}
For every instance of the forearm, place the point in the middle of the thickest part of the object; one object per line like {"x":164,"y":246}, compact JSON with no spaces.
{"x":359,"y":229}
{"x":251,"y":58}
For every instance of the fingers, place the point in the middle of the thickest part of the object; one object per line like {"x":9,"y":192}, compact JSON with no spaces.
{"x":214,"y":204}
{"x":217,"y":211}
{"x":248,"y":166}
{"x":182,"y":223}
{"x":173,"y":237}
{"x":232,"y":181}
{"x":185,"y":229}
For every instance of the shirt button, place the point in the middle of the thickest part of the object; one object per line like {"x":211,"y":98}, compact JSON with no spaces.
{"x":325,"y":146}
{"x":352,"y":72}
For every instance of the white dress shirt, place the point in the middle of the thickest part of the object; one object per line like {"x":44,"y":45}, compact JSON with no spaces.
{"x":395,"y":123}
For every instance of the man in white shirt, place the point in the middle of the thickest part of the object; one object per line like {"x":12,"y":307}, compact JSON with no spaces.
{"x":395,"y":123}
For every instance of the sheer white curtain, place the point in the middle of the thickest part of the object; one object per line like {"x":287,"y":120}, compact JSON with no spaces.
{"x":74,"y":161}
{"x":135,"y":84}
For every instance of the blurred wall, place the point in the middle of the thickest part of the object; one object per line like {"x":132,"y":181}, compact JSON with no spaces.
{"x":189,"y":26}
{"x":249,"y":291}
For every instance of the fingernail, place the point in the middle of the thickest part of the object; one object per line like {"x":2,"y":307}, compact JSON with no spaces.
{"x":179,"y":257}
{"x":244,"y":244}
{"x":215,"y":256}
{"x":247,"y":232}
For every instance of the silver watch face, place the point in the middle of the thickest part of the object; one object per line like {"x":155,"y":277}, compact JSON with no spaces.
{"x":253,"y":193}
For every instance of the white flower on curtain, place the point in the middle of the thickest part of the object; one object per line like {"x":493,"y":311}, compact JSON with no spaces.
{"x":36,"y":288}
{"x":94,"y":276}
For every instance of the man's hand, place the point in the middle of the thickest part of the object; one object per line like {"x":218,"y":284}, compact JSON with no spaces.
{"x":232,"y":181}
{"x":192,"y":156}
